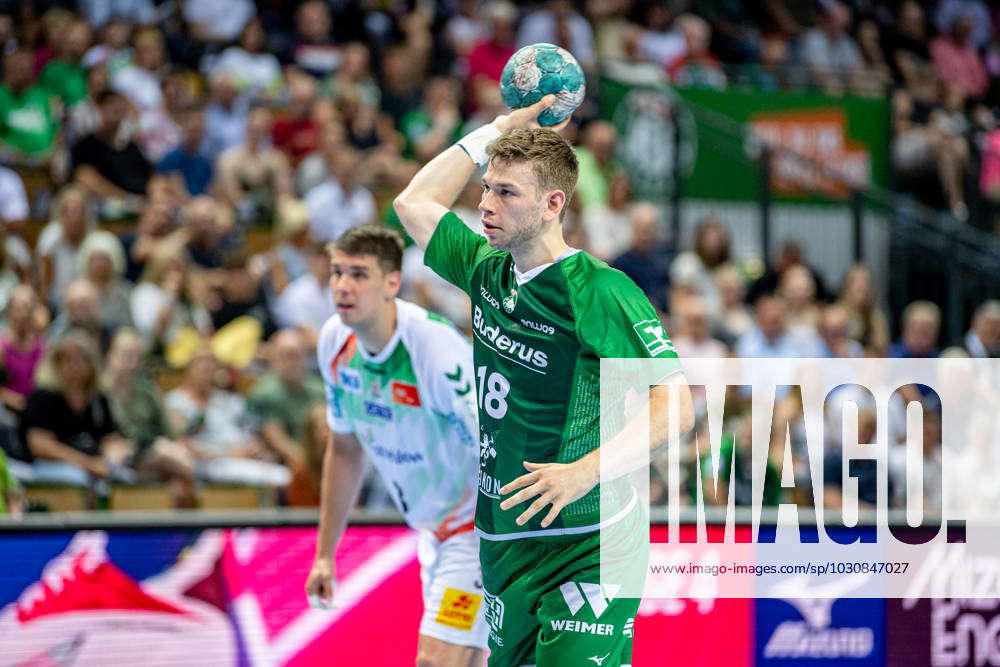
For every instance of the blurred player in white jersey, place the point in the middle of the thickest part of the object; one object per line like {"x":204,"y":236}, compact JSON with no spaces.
{"x":400,"y":389}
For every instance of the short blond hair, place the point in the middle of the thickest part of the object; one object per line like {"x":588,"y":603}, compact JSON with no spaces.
{"x":552,"y":158}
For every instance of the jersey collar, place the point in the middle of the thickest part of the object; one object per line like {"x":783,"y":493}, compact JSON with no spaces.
{"x":522,"y":278}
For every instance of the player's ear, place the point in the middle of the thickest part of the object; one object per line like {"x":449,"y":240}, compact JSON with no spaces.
{"x":393,"y":281}
{"x":554,"y":203}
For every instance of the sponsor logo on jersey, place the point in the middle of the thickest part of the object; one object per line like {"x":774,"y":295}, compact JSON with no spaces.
{"x":405,"y":393}
{"x":510,"y":301}
{"x":350,"y":380}
{"x":458,"y":609}
{"x":456,"y":377}
{"x":544,"y":328}
{"x":397,"y":456}
{"x":577,"y":594}
{"x":599,"y":659}
{"x":488,"y":486}
{"x":651,"y":333}
{"x":378,"y":410}
{"x":375,"y":390}
{"x":605,"y":629}
{"x":493,"y":611}
{"x":508,"y":347}
{"x":628,"y":629}
{"x":489,"y":298}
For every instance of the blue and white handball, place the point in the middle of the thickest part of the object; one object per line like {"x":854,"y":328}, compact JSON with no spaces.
{"x":539,"y":70}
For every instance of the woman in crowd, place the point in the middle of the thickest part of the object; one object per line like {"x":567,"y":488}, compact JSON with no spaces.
{"x":59,"y":243}
{"x":67,"y":423}
{"x":102,"y":261}
{"x":303,"y":490}
{"x":21,"y":348}
{"x":216,"y":426}
{"x":867,"y":323}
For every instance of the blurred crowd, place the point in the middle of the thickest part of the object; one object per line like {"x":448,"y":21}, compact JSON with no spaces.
{"x":172,"y":171}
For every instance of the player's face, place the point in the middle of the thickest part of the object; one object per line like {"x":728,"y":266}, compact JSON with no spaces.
{"x":361,"y":289}
{"x":512,"y":211}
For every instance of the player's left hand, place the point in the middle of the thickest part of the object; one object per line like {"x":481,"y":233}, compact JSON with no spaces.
{"x":555,"y":484}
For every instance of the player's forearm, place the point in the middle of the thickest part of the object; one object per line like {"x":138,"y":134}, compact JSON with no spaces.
{"x":342,"y":476}
{"x":645,"y":436}
{"x":440,"y":182}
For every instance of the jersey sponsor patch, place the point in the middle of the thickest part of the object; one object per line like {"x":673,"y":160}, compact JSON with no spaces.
{"x":405,"y":393}
{"x":651,"y":333}
{"x":350,"y":380}
{"x":378,"y":410}
{"x":458,"y":609}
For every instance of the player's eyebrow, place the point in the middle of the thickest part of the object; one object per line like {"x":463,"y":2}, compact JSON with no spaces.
{"x":509,"y":186}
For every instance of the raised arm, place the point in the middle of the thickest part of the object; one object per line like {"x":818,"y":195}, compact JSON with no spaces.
{"x":435,"y":188}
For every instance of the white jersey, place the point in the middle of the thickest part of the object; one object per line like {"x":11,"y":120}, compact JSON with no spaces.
{"x":413,"y":409}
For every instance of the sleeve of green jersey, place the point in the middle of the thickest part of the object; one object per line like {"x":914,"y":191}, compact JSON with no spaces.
{"x":615,"y":319}
{"x":454,"y":250}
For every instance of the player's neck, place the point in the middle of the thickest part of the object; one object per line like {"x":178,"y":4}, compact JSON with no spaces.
{"x":544,"y":249}
{"x":376,"y":334}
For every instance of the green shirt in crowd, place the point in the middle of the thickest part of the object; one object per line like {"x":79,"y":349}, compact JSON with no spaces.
{"x":27,"y":123}
{"x":67,"y":80}
{"x":272,"y":399}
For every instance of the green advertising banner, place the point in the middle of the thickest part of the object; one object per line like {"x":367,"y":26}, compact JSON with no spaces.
{"x":821,"y":145}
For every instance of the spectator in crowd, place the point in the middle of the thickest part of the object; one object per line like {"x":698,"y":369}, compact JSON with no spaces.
{"x":833,"y":329}
{"x":921,"y":325}
{"x":254,"y":177}
{"x":81,"y":311}
{"x":437,"y":123}
{"x":659,"y":41}
{"x":341,"y":202}
{"x":875,"y":76}
{"x":108,"y":165}
{"x":304,"y":488}
{"x":161,"y":307}
{"x":831,"y":54}
{"x":909,"y":55}
{"x":21,"y":348}
{"x":769,"y":337}
{"x":597,"y":166}
{"x":237,"y":294}
{"x":205,"y":232}
{"x":114,"y":47}
{"x":28,"y":126}
{"x":225,"y":116}
{"x":798,"y":290}
{"x":863,"y":470}
{"x":734,"y":317}
{"x":137,"y":409}
{"x":155,"y":224}
{"x":919,"y":145}
{"x":282,"y":397}
{"x":314,"y":170}
{"x":401,"y":82}
{"x":296,"y":130}
{"x":464,"y":30}
{"x":698,"y":67}
{"x":314,"y":51}
{"x":101,"y":261}
{"x":307,"y":301}
{"x":217,"y":427}
{"x":160,"y":129}
{"x":354,"y":78}
{"x":556,"y":22}
{"x":13,"y":216}
{"x":59,"y":243}
{"x":867,"y":324}
{"x":692,"y":270}
{"x":957,"y":61}
{"x":608,"y":229}
{"x":67,"y":423}
{"x":64,"y":75}
{"x":974,"y":11}
{"x":983,"y":338}
{"x":220,"y":21}
{"x":790,"y":254}
{"x":187,"y":162}
{"x":691,"y":334}
{"x":647,"y":260}
{"x":257,"y":73}
{"x":140,"y":80}
{"x":288,"y":260}
{"x":488,"y":56}
{"x":85,"y":117}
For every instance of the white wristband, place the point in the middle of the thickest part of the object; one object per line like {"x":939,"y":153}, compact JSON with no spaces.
{"x":475,"y":143}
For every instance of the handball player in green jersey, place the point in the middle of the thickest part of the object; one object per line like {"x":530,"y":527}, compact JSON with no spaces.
{"x":543,"y":316}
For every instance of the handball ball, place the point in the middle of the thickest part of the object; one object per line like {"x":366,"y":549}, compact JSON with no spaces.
{"x":539,"y":70}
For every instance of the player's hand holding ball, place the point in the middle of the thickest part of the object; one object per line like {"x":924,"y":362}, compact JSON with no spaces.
{"x":543,"y":84}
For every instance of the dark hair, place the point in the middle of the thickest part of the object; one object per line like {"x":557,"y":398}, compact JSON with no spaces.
{"x":106,"y":96}
{"x":379,"y":241}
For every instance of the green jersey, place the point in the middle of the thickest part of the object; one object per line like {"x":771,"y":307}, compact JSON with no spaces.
{"x":537,"y":341}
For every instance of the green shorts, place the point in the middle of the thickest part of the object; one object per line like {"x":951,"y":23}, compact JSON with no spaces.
{"x":545,"y":605}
